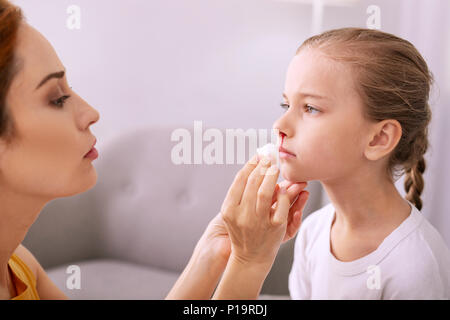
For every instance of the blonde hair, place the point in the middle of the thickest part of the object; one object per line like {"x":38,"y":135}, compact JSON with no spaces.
{"x":394,"y":82}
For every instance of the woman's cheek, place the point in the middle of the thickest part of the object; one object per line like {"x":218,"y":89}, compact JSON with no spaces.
{"x":29,"y":170}
{"x":26,"y":173}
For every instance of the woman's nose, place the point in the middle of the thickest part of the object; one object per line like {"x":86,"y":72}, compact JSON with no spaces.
{"x":95,"y":116}
{"x":88,"y":115}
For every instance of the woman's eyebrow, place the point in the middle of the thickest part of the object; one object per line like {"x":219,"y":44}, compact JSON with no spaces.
{"x":57,"y":75}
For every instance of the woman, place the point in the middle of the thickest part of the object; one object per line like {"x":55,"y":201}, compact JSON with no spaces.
{"x":44,"y":139}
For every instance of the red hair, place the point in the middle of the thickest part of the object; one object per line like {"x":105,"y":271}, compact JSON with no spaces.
{"x":10,"y":18}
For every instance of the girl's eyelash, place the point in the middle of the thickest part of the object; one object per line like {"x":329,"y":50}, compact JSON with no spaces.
{"x":307,"y":106}
{"x":60,"y":102}
{"x":312,"y":108}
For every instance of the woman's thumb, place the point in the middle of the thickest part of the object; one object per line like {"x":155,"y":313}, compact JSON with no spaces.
{"x":282,"y":211}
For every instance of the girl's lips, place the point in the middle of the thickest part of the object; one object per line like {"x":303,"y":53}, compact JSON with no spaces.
{"x":285,"y":154}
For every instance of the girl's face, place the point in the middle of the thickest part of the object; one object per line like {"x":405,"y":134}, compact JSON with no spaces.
{"x":46,"y":159}
{"x":323,"y":125}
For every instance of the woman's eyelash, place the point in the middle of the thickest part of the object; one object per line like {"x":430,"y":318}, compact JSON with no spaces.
{"x":307,"y":106}
{"x":60,"y":102}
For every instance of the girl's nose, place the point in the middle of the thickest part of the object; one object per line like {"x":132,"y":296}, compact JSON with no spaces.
{"x":282,"y":125}
{"x":281,"y":137}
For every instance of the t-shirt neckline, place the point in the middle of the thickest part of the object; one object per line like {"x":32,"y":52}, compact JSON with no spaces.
{"x":361,"y":264}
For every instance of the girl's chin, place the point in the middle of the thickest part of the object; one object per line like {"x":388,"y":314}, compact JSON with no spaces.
{"x":288,"y":173}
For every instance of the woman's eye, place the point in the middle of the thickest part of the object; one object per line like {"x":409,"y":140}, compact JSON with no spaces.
{"x":60,"y":102}
{"x":308,"y":107}
{"x":284,"y":105}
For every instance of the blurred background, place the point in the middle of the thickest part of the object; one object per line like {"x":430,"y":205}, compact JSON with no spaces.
{"x":148,"y":64}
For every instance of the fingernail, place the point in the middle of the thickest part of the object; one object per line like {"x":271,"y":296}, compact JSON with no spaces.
{"x":283,"y":190}
{"x":272,"y":170}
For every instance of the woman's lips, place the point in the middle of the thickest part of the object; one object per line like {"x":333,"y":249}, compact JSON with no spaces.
{"x":286,"y":154}
{"x":93,"y":153}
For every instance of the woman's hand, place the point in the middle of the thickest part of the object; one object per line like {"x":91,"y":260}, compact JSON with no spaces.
{"x":298,"y":199}
{"x":257,"y":215}
{"x":212,"y":252}
{"x":215,"y":240}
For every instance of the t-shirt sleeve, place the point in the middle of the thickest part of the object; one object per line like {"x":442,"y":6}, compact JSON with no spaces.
{"x":299,"y":281}
{"x":408,"y":289}
{"x":416,"y":280}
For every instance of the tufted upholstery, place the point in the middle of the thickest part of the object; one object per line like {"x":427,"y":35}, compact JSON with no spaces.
{"x":134,"y":232}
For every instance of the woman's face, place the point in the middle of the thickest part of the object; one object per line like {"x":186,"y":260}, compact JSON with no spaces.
{"x":46,"y":159}
{"x":328,"y":141}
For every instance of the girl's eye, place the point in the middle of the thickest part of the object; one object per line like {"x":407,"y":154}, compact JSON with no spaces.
{"x":308,"y":107}
{"x":60,"y":102}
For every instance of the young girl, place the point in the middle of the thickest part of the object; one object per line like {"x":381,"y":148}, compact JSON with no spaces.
{"x":45,"y":148}
{"x":356,"y":119}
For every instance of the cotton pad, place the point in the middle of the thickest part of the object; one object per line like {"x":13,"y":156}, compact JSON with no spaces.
{"x":269,"y":150}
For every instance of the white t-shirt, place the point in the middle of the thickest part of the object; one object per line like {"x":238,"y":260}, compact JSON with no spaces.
{"x":413,"y":262}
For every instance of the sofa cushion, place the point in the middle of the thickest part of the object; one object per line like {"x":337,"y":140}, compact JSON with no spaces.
{"x":106,"y":279}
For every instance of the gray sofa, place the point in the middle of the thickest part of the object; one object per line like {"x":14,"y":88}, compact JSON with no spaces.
{"x":134,"y":232}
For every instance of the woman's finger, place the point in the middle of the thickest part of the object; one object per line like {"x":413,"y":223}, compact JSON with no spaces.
{"x":234,"y":194}
{"x":296,"y":211}
{"x":254,"y":182}
{"x":293,"y":190}
{"x":280,"y":215}
{"x":294,"y":226}
{"x":275,"y":194}
{"x":266,"y":191}
{"x":285,"y":183}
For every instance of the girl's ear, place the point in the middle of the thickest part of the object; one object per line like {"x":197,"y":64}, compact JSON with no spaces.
{"x":383,"y":139}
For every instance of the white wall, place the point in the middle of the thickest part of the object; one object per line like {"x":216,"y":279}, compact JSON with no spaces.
{"x":145,"y":62}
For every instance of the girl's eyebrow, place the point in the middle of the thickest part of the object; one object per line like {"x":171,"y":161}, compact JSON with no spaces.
{"x":306,"y":94}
